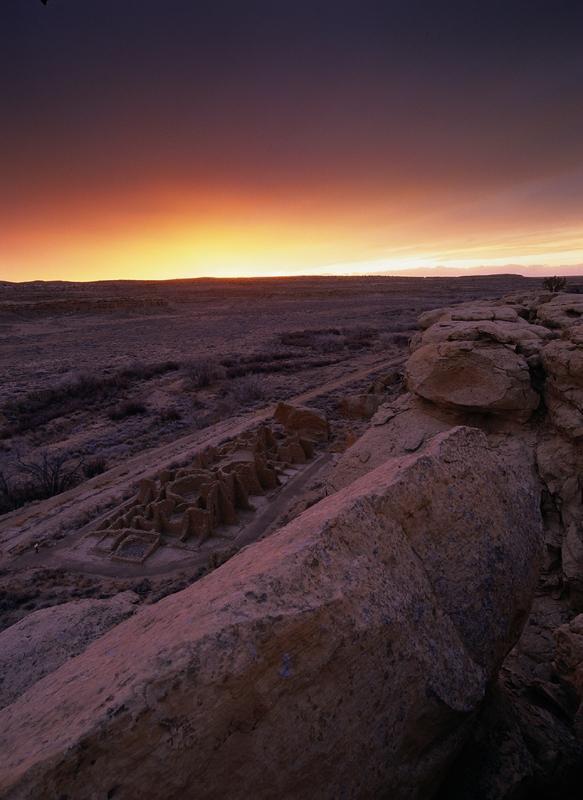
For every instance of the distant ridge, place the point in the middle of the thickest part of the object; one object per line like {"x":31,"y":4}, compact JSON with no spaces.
{"x":508,"y":270}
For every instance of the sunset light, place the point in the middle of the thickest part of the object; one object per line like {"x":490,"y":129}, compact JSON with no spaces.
{"x":291,"y":400}
{"x":180,"y":155}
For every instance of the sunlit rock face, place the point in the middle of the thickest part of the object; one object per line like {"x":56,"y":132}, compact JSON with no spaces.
{"x":387,"y":630}
{"x":471,"y":376}
{"x":345,"y":655}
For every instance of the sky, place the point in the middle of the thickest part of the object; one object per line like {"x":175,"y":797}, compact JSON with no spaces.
{"x":143,"y":139}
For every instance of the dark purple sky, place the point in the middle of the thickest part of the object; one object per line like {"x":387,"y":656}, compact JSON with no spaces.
{"x":434,"y":129}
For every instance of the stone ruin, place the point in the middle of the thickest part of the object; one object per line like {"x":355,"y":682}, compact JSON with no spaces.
{"x":186,"y":506}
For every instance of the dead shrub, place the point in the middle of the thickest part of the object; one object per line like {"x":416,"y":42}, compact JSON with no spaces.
{"x":247,"y":390}
{"x":37,"y":480}
{"x":204,"y":373}
{"x":85,"y":389}
{"x":330,"y":339}
{"x":130,"y":408}
{"x":329,"y":343}
{"x":554,"y":283}
{"x":95,"y":466}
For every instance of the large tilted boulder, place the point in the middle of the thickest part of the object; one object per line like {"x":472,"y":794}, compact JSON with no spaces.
{"x":478,"y":376}
{"x":399,"y":428}
{"x":344,"y":656}
{"x":529,"y":737}
{"x":38,"y":644}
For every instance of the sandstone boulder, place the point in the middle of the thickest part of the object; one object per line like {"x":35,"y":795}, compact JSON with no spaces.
{"x":360,"y":406}
{"x":398,"y":428}
{"x":470,"y":313}
{"x":473,"y":376}
{"x":569,"y":663}
{"x":561,"y":311}
{"x":300,"y":419}
{"x":42,"y":641}
{"x":529,"y":338}
{"x":344,"y":656}
{"x":560,"y":465}
{"x":563,"y":364}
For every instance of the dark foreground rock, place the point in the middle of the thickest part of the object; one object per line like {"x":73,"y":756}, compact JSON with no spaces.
{"x":343,"y":657}
{"x":45,"y":639}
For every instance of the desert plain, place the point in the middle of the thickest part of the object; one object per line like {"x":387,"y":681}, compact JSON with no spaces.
{"x":236,"y":514}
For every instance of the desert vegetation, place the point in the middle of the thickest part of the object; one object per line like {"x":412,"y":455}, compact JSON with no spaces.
{"x":38,"y":479}
{"x":40,"y":406}
{"x":151,"y":380}
{"x":183,"y":502}
{"x":555,"y":283}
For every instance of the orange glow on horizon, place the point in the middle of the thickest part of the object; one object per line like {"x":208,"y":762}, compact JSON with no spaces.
{"x":170,"y":234}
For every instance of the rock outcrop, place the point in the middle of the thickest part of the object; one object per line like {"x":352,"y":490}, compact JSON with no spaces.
{"x":385,"y":642}
{"x":45,"y":639}
{"x":477,"y":359}
{"x":492,"y":365}
{"x":302,"y":420}
{"x":563,"y":364}
{"x":482,"y":377}
{"x":569,"y":662}
{"x":561,"y":311}
{"x":345,"y":656}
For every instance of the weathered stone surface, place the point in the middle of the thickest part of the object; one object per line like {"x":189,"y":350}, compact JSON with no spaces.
{"x":342,"y":657}
{"x":569,"y":653}
{"x":45,"y":639}
{"x":563,"y":364}
{"x":468,"y":312}
{"x":360,"y":406}
{"x":398,"y":429}
{"x":303,"y":420}
{"x":473,"y":376}
{"x":529,"y":338}
{"x":529,"y":736}
{"x":560,"y":465}
{"x":562,"y":311}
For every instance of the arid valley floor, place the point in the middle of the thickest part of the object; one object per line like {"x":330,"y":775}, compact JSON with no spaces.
{"x":322,"y":484}
{"x":124,"y":378}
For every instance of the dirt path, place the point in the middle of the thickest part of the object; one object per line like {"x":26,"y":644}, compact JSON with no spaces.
{"x":73,"y":509}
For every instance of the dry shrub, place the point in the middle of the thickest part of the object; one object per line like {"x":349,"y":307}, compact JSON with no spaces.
{"x":554,"y":283}
{"x":266,"y":361}
{"x":95,"y":466}
{"x":247,"y":390}
{"x":38,"y":480}
{"x":130,"y":408}
{"x":329,"y":343}
{"x":204,"y":373}
{"x":84,"y":390}
{"x":330,"y":339}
